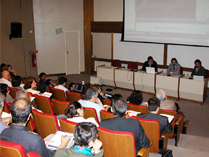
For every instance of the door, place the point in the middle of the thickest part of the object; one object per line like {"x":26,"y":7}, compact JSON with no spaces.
{"x":72,"y":42}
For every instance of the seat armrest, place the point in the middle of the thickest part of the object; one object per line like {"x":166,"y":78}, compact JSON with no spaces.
{"x":186,"y":123}
{"x":144,"y":152}
{"x":177,"y":130}
{"x":178,"y":121}
{"x":164,"y":136}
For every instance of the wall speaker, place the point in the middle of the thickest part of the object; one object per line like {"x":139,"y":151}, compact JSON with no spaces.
{"x":16,"y":30}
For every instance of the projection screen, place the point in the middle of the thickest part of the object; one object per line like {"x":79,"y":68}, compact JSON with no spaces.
{"x":182,"y":22}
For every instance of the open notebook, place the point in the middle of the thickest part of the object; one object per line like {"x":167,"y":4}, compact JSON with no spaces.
{"x":170,"y":118}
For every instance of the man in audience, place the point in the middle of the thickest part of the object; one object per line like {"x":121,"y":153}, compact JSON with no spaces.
{"x":150,"y":63}
{"x":3,"y":67}
{"x":198,"y":68}
{"x":18,"y":132}
{"x":42,"y":84}
{"x":42,"y":77}
{"x":50,"y":83}
{"x":2,"y":125}
{"x":62,"y":84}
{"x":72,"y":87}
{"x":119,"y":123}
{"x":174,"y":67}
{"x":154,"y":107}
{"x":92,"y":101}
{"x":5,"y":78}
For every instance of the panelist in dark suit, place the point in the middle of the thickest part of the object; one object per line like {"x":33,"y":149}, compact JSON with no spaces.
{"x":119,"y":123}
{"x":198,"y":68}
{"x":150,"y":63}
{"x":153,"y":107}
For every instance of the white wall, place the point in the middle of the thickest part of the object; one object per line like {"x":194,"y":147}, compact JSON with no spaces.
{"x":48,"y":16}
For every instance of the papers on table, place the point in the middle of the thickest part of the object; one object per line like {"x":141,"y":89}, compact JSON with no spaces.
{"x":150,"y":70}
{"x":170,"y":118}
{"x":5,"y":115}
{"x":57,"y":140}
{"x":196,"y":77}
{"x":132,"y":113}
{"x":47,"y":94}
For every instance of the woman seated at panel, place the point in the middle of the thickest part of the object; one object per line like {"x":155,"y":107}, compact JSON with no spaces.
{"x":30,"y":85}
{"x":85,"y":142}
{"x":136,"y":98}
{"x":75,"y":113}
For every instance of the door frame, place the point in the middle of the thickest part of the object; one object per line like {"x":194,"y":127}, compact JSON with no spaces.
{"x":79,"y":66}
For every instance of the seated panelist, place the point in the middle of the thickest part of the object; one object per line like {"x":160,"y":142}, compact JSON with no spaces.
{"x":174,"y":67}
{"x":198,"y":68}
{"x":150,"y":63}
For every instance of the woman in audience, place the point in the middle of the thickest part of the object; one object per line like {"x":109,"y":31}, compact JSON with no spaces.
{"x":75,"y":113}
{"x":136,"y":98}
{"x":100,"y":94}
{"x":86,"y":142}
{"x":30,"y":85}
{"x":16,"y":81}
{"x":114,"y":97}
{"x":11,"y":71}
{"x":5,"y":91}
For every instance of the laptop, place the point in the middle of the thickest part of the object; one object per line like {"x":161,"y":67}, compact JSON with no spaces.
{"x":150,"y":70}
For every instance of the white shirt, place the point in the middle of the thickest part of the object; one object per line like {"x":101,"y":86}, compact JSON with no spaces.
{"x":2,"y":80}
{"x":90,"y":104}
{"x":62,"y":88}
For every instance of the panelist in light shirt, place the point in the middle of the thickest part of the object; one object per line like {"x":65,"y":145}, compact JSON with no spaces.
{"x":174,"y":67}
{"x":198,"y":68}
{"x":150,"y":63}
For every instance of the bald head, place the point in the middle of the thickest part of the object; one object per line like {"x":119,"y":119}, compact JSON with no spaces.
{"x":6,"y":75}
{"x":20,"y":110}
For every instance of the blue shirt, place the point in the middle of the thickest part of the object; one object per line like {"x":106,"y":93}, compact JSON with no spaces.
{"x":2,"y":126}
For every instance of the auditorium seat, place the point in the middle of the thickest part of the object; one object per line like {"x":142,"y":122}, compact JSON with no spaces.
{"x":106,"y":115}
{"x":11,"y":149}
{"x":30,"y":125}
{"x":59,"y":106}
{"x":119,"y":143}
{"x":106,"y":102}
{"x":138,"y":108}
{"x":6,"y":108}
{"x":67,"y":126}
{"x":43,"y":104}
{"x":152,"y":131}
{"x":13,"y":92}
{"x":133,"y":65}
{"x":72,"y":96}
{"x":90,"y":112}
{"x":58,"y":94}
{"x":116,"y":63}
{"x":45,"y":124}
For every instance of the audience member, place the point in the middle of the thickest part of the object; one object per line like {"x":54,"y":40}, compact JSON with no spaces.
{"x":16,"y":81}
{"x":3,"y":67}
{"x":198,"y":68}
{"x":92,"y":101}
{"x":42,"y":84}
{"x":75,"y":113}
{"x":5,"y":91}
{"x":174,"y":67}
{"x":30,"y":85}
{"x":6,"y":78}
{"x":150,"y":63}
{"x":2,"y":125}
{"x":100,"y":93}
{"x":136,"y":98}
{"x":154,"y":107}
{"x":86,"y":142}
{"x":50,"y":83}
{"x":18,"y":132}
{"x":119,"y":123}
{"x":42,"y":77}
{"x":114,"y":97}
{"x":72,"y":87}
{"x":62,"y":84}
{"x":11,"y":71}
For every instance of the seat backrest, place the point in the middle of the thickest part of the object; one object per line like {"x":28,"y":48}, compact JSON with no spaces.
{"x":43,"y":104}
{"x":106,"y":115}
{"x":84,"y":96}
{"x":67,"y":126}
{"x":181,"y":70}
{"x":90,"y":112}
{"x":133,"y":65}
{"x":13,"y":92}
{"x":72,"y":96}
{"x":33,"y":154}
{"x":11,"y":149}
{"x":152,"y":131}
{"x":45,"y":123}
{"x":59,"y":106}
{"x":6,"y":107}
{"x":138,"y":108}
{"x":117,"y":143}
{"x":116,"y":63}
{"x":30,"y":125}
{"x":172,"y":113}
{"x":106,"y":102}
{"x":48,"y":89}
{"x":58,"y":94}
